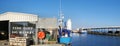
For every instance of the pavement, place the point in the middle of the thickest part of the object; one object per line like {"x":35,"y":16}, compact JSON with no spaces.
{"x":4,"y":43}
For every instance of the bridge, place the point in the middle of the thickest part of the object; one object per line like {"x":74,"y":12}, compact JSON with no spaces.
{"x":113,"y":30}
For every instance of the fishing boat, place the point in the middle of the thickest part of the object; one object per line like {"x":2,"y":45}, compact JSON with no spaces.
{"x":64,"y":33}
{"x":64,"y":36}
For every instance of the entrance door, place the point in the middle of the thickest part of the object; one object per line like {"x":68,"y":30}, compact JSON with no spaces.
{"x":4,"y":31}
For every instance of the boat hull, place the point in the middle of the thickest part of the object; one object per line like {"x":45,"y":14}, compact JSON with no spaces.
{"x":65,"y":40}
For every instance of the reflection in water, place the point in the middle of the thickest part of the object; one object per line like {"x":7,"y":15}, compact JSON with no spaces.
{"x":75,"y":34}
{"x":94,"y":40}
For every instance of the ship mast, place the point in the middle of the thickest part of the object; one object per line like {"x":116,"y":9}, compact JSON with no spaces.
{"x":61,"y":16}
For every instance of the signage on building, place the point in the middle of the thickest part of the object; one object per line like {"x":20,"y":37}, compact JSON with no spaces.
{"x":22,"y":30}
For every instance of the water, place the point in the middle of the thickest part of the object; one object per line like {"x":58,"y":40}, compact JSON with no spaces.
{"x":94,"y":40}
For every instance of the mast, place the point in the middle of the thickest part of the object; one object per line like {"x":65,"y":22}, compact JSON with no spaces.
{"x":61,"y":16}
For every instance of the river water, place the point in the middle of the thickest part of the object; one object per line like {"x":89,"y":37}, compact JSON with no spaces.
{"x":94,"y":40}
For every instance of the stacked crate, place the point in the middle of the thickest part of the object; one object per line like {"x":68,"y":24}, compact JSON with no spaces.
{"x":18,"y":41}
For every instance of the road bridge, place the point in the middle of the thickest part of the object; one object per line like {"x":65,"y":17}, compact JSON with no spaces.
{"x":113,"y":30}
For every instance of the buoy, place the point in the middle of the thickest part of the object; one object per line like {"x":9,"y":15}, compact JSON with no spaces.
{"x":41,"y":35}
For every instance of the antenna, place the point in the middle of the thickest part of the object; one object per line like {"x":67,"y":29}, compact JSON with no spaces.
{"x":60,"y":6}
{"x":61,"y":14}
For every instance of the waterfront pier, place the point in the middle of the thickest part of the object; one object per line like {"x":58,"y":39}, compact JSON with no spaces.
{"x":114,"y":31}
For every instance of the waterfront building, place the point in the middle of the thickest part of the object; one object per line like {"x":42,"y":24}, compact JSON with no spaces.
{"x":14,"y":24}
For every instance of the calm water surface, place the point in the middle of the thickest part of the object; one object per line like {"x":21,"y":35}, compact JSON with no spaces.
{"x":94,"y":40}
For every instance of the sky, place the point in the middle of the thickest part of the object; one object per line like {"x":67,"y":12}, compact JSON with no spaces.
{"x":83,"y":13}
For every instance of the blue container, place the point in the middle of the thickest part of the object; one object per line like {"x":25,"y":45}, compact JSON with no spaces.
{"x":65,"y":40}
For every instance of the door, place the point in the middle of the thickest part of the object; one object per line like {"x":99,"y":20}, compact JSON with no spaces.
{"x":4,"y":30}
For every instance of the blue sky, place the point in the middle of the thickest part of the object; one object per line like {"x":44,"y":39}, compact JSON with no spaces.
{"x":84,"y":13}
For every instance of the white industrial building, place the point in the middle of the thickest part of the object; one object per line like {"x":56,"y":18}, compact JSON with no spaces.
{"x":24,"y":25}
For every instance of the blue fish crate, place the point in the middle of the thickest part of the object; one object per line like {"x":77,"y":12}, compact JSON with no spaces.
{"x":65,"y":40}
